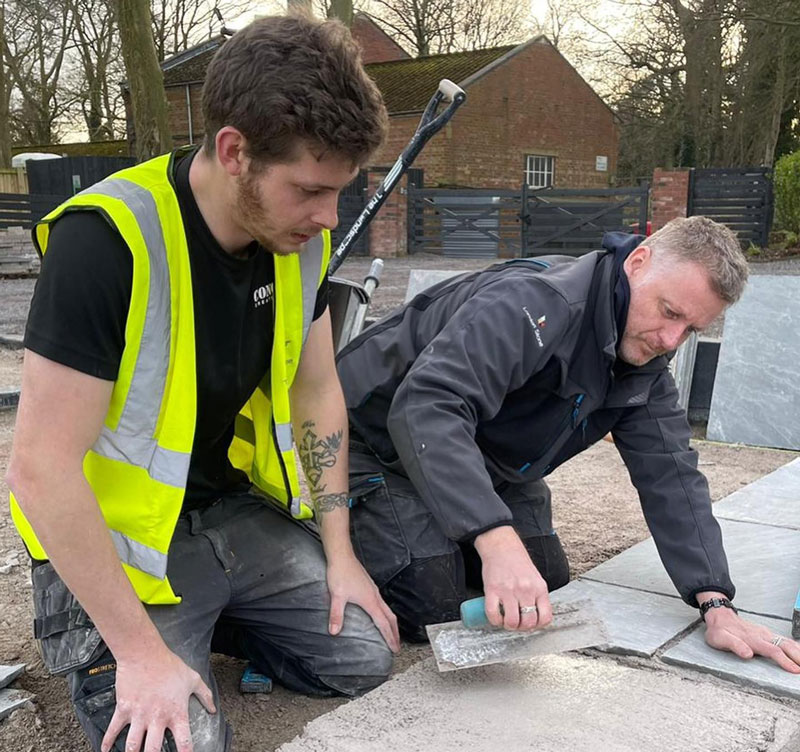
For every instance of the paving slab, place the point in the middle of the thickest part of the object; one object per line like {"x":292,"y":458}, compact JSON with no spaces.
{"x":11,"y":700}
{"x":771,"y":500}
{"x":552,"y":704}
{"x":9,"y":673}
{"x":763,"y":562}
{"x":421,"y":279}
{"x":756,"y":397}
{"x":637,"y":623}
{"x":692,"y":651}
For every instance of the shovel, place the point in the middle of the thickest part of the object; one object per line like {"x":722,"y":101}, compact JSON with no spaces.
{"x":472,"y":641}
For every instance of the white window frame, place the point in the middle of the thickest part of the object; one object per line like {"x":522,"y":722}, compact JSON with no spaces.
{"x":539,"y":170}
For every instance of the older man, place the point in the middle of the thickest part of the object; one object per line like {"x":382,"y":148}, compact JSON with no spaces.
{"x":464,"y":400}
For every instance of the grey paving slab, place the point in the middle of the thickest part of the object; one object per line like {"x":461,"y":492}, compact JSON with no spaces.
{"x":763,"y":561}
{"x":420,"y":279}
{"x":756,"y":397}
{"x":9,"y":673}
{"x":11,"y":700}
{"x":552,"y":704}
{"x":759,"y":672}
{"x":771,"y":500}
{"x":637,"y":623}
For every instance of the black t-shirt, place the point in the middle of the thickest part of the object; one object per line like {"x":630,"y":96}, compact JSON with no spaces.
{"x":80,"y":307}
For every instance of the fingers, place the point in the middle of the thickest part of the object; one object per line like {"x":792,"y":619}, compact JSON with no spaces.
{"x":394,"y":643}
{"x":155,"y":738}
{"x":118,"y":722}
{"x":492,"y":608}
{"x":545,"y":610}
{"x":386,"y":622}
{"x":336,"y":618}
{"x":205,"y":695}
{"x":182,"y":735}
{"x":786,"y":653}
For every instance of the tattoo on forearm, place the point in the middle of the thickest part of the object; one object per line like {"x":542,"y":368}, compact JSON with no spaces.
{"x":329,"y":502}
{"x":317,"y":453}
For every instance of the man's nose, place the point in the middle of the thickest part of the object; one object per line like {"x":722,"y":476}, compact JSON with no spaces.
{"x":326,"y":213}
{"x":674,"y":336}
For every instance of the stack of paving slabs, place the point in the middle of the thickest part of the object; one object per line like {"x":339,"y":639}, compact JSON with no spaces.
{"x":11,"y":699}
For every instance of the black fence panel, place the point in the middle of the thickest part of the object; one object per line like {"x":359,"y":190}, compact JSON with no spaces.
{"x":351,"y":202}
{"x":739,"y":197}
{"x":23,"y":210}
{"x":69,"y":175}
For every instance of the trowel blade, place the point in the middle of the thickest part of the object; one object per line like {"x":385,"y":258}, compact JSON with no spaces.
{"x":576,"y":624}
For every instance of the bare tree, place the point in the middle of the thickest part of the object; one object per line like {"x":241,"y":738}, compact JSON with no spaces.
{"x":180,"y":24}
{"x":36,"y":39}
{"x":436,"y":26}
{"x":97,"y":49}
{"x":5,"y":129}
{"x":145,"y":79}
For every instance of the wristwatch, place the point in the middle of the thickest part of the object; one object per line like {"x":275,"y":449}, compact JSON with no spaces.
{"x":716,"y":603}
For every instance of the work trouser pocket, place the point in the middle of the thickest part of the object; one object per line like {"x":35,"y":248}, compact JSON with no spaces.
{"x":378,"y":538}
{"x":67,"y":637}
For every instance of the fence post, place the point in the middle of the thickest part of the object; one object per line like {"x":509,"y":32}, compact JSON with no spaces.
{"x":644,"y":207}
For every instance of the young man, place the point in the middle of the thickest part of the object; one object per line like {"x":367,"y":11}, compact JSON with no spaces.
{"x":466,"y":398}
{"x":178,"y":338}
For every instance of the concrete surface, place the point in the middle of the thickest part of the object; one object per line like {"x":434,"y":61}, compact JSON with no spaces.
{"x":756,"y":397}
{"x":554,"y":703}
{"x":771,"y":500}
{"x":693,"y":652}
{"x":763,"y":561}
{"x":9,"y":673}
{"x":637,"y":623}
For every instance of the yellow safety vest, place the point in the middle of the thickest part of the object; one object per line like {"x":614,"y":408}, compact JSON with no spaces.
{"x":139,"y":464}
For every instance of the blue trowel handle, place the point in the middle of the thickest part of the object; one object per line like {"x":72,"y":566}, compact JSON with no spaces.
{"x":473,"y":613}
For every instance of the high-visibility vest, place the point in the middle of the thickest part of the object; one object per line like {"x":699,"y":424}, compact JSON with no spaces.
{"x":139,"y":464}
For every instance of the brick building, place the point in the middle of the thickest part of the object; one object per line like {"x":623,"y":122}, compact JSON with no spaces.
{"x":528,"y":112}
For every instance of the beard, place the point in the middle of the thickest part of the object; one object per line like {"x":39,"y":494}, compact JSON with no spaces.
{"x":251,"y":213}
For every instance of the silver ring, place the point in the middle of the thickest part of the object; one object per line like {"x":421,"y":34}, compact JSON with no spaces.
{"x":777,"y":640}
{"x":528,"y":609}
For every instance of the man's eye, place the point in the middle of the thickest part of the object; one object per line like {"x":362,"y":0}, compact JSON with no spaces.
{"x":309,"y":192}
{"x":670,"y":314}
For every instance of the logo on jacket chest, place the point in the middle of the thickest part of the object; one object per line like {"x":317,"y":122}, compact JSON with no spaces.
{"x":262,"y":295}
{"x":536,"y":324}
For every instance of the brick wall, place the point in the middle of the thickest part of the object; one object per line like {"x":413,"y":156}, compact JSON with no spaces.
{"x":669,"y":196}
{"x":179,"y":114}
{"x":534,"y":103}
{"x":388,"y":234}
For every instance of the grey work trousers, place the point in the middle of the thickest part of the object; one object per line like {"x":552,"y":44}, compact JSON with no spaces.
{"x":422,"y":574}
{"x":252,"y":582}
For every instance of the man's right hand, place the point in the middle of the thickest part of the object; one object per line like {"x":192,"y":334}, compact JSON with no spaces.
{"x":511,"y":581}
{"x":153,"y":694}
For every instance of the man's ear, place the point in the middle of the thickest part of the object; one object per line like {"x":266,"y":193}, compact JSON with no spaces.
{"x":230,"y":150}
{"x":638,"y":262}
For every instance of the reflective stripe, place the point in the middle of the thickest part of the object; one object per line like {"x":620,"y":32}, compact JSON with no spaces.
{"x":283,"y":432}
{"x":139,"y":556}
{"x":133,"y":441}
{"x":310,"y":262}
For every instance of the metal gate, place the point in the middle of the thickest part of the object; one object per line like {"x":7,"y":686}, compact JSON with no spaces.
{"x":68,"y":175}
{"x":494,"y":222}
{"x":739,"y":197}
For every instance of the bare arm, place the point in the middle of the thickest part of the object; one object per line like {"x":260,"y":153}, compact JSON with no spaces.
{"x":60,"y":416}
{"x":320,"y":428}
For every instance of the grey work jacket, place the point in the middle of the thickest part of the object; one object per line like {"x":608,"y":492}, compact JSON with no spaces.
{"x":502,"y":375}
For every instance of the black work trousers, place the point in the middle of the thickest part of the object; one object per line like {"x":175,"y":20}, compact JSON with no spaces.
{"x":423,"y":575}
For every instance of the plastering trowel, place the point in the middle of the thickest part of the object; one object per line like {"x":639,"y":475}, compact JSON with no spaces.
{"x":472,"y":641}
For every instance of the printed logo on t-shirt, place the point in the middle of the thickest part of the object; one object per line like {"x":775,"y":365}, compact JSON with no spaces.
{"x":262,"y":295}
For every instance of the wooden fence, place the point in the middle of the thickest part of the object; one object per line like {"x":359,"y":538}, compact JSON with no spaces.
{"x":13,"y":180}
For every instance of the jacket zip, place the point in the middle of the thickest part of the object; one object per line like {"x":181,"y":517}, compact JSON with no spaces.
{"x":571,"y":416}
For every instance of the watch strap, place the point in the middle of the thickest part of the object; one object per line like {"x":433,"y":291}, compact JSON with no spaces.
{"x":716,"y":603}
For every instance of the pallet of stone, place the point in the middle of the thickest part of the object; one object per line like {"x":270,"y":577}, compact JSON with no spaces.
{"x":11,"y":699}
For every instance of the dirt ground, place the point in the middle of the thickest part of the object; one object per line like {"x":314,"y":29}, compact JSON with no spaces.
{"x":596,"y":512}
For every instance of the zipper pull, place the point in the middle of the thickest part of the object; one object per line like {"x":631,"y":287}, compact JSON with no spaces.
{"x":576,"y":409}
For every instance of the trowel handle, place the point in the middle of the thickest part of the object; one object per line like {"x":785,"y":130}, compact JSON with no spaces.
{"x":473,"y":613}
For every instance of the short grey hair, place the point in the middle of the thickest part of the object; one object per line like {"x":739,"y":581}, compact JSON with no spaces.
{"x":711,"y":245}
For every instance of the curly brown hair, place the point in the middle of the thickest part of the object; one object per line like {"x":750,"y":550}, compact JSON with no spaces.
{"x":287,"y":79}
